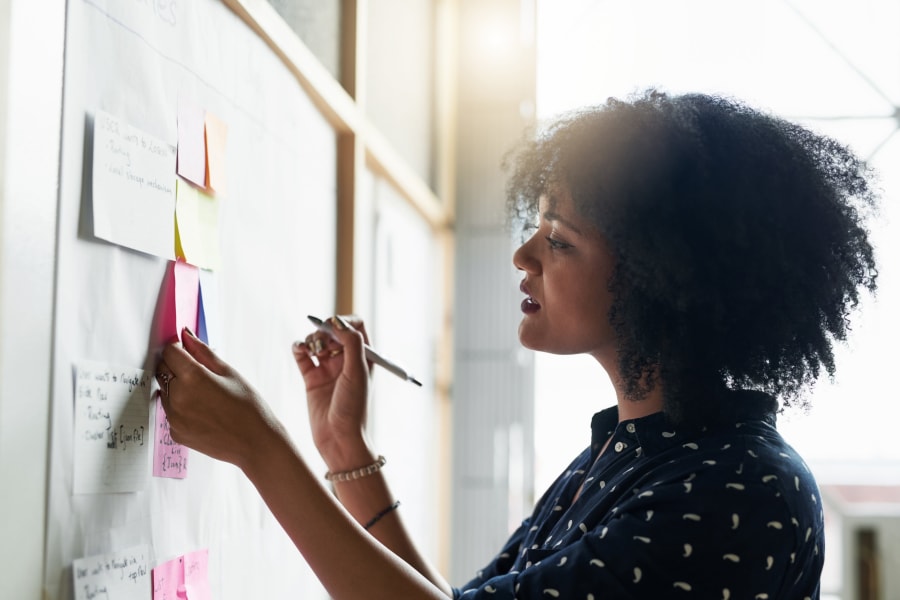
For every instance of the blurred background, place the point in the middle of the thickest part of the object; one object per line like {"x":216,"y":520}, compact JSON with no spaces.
{"x":425,"y":97}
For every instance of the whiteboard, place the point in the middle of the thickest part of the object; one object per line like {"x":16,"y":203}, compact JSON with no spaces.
{"x":134,"y":60}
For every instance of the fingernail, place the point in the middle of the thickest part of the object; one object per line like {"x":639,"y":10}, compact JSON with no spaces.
{"x":190,"y":333}
{"x":339,"y":323}
{"x":319,"y":345}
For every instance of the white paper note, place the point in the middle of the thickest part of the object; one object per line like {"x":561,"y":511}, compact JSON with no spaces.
{"x":115,"y":576}
{"x":133,"y":188}
{"x":112,"y":436}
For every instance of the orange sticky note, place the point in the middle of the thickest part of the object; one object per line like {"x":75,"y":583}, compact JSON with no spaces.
{"x":216,"y":135}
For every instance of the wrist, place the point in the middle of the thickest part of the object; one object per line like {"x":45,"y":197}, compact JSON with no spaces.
{"x":357,"y":473}
{"x":348,"y":455}
{"x":266,"y":450}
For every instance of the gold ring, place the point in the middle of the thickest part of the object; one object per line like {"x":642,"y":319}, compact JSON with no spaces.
{"x":165,"y":378}
{"x":335,"y":352}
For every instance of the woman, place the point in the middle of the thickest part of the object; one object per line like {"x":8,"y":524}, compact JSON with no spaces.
{"x":707,"y":255}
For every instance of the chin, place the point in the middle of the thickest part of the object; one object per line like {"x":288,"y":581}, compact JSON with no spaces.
{"x":532,"y":342}
{"x":525,"y":339}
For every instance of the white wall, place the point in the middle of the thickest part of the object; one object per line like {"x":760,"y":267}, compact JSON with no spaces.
{"x":31,"y":61}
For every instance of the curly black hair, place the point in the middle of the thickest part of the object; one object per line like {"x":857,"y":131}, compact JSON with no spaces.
{"x":739,"y":237}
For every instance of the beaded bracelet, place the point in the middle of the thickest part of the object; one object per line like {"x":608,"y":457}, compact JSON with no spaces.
{"x":378,"y":517}
{"x":357,"y":473}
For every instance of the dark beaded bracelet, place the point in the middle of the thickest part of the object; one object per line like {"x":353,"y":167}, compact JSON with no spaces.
{"x":378,"y":517}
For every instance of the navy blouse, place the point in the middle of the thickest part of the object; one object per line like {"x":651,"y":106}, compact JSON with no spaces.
{"x":725,"y":513}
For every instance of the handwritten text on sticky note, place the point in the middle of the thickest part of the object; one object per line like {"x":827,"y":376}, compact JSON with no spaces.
{"x":169,"y":457}
{"x":196,"y":577}
{"x":112,"y":412}
{"x":183,"y":578}
{"x":122,"y":575}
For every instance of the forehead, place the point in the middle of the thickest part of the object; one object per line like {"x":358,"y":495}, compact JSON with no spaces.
{"x":555,"y":201}
{"x":559,"y":207}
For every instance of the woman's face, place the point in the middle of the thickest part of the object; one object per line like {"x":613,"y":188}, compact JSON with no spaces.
{"x":567,"y":266}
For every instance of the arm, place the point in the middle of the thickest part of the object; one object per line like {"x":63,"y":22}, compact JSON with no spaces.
{"x":337,"y":382}
{"x":213,"y":410}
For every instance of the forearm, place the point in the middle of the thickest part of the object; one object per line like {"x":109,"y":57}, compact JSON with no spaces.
{"x":343,"y":556}
{"x":365,"y":498}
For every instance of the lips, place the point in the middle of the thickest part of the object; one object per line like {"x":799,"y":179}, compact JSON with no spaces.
{"x":529,"y":305}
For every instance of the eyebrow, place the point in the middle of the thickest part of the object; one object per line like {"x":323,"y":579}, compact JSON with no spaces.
{"x":550,"y":215}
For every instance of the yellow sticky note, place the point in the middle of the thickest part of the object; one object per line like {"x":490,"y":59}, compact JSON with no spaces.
{"x":216,"y":135}
{"x":197,"y":222}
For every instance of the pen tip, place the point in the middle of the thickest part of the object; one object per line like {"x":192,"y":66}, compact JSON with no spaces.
{"x":415,"y":381}
{"x":315,"y":320}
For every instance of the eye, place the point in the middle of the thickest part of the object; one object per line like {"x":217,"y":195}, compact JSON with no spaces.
{"x":557,"y":244}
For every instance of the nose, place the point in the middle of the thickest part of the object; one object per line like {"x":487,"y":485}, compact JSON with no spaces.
{"x":524,"y":259}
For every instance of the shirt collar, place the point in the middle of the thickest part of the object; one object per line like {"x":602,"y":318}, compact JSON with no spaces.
{"x":656,"y":432}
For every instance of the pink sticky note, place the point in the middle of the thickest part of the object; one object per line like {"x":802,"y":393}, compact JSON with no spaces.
{"x":216,"y":134}
{"x":168,"y":580}
{"x":179,"y":301}
{"x":170,"y":458}
{"x":196,"y":578}
{"x":187,"y":296}
{"x":191,"y":143}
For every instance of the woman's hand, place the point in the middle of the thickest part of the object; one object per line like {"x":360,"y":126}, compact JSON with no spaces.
{"x":336,"y":375}
{"x":210,"y":407}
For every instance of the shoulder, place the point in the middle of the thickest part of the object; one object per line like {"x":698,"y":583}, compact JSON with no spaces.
{"x":743,"y":477}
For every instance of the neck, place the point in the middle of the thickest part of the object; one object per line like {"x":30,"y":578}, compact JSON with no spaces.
{"x":629,"y":408}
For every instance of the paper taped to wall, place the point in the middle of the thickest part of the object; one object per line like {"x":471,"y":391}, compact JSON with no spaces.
{"x":122,"y":575}
{"x":133,"y":187}
{"x":112,"y":412}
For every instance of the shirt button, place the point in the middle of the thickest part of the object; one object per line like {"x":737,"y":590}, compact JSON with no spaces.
{"x":619,"y":446}
{"x":630,"y":428}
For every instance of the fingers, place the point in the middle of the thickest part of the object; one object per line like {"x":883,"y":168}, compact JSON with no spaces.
{"x":319,"y":345}
{"x":352,"y":341}
{"x":303,"y":356}
{"x":179,"y":360}
{"x":331,"y":342}
{"x":202,"y":353}
{"x":343,"y":331}
{"x":354,"y":322}
{"x":191,"y":352}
